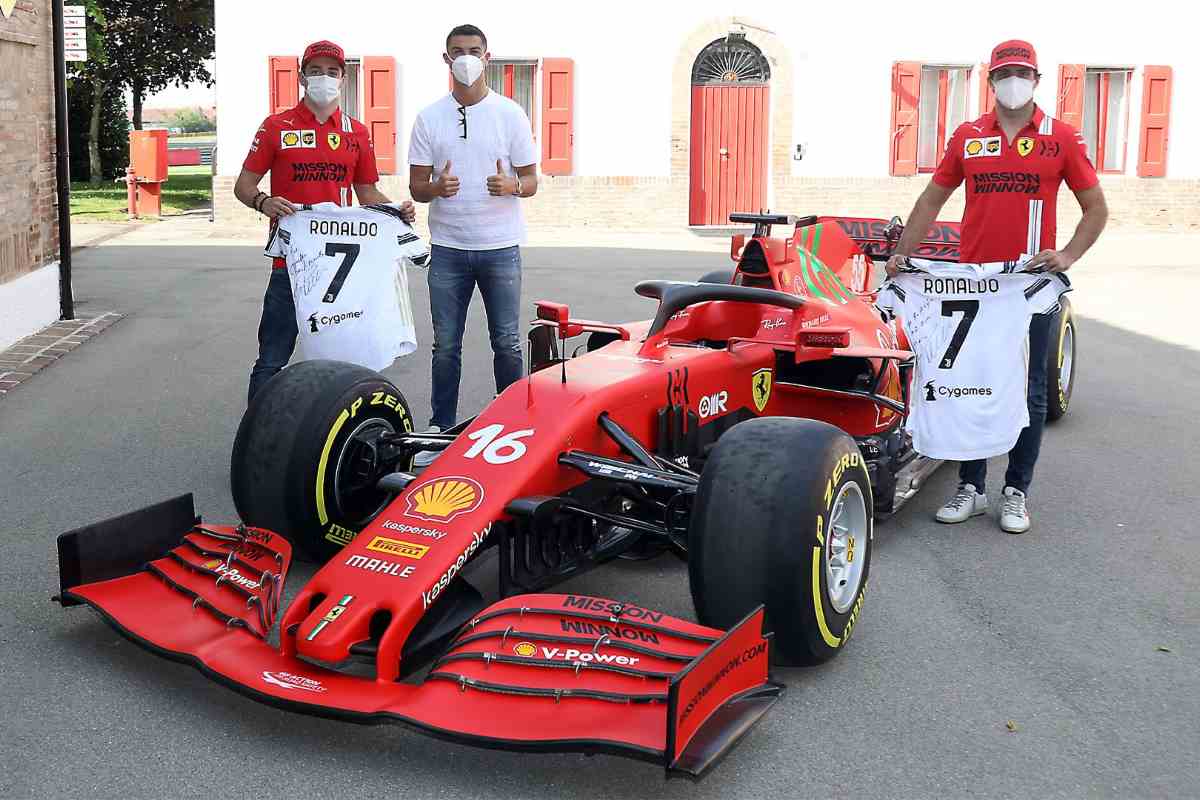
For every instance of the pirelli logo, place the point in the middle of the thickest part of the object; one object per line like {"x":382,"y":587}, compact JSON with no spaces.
{"x":395,"y":547}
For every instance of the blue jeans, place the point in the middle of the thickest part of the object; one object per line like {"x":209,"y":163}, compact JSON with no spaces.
{"x":1024,"y":455}
{"x":276,"y":331}
{"x":453,"y":275}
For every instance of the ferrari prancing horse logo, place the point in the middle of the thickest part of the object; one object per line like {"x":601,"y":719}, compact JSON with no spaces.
{"x":760,"y":388}
{"x":334,"y":140}
{"x":1024,"y":146}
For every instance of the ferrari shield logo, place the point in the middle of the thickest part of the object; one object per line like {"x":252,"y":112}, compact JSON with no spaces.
{"x":1024,"y":146}
{"x":760,"y":388}
{"x":335,"y":141}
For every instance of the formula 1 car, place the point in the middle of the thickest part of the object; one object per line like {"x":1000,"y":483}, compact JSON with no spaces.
{"x":753,"y":427}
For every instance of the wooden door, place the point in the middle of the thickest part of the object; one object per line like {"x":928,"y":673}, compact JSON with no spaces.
{"x":729,"y":156}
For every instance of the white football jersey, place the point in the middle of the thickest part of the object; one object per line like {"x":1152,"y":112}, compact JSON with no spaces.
{"x":346,"y":266}
{"x":968,"y":325}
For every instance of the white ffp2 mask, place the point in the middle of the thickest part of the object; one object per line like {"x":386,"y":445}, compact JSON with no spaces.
{"x":467,"y":69}
{"x":1014,"y":92}
{"x":322,"y":89}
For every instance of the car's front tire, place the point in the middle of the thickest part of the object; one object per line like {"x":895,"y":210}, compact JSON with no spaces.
{"x":301,"y":463}
{"x":783,"y":518}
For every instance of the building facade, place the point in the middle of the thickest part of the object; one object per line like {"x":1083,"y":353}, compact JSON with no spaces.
{"x":650,"y":117}
{"x":29,"y":297}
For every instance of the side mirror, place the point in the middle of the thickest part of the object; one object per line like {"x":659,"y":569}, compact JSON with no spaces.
{"x":557,"y":313}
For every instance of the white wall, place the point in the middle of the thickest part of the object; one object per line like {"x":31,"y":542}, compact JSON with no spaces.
{"x":625,"y":51}
{"x":29,"y":304}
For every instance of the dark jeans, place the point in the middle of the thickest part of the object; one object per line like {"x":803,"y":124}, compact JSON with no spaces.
{"x":276,"y":331}
{"x":453,"y":275}
{"x":1024,"y":455}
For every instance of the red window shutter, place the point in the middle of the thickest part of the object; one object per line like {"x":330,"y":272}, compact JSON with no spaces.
{"x":987,"y":98}
{"x":1070,"y":94}
{"x":283,"y":77}
{"x":906,"y":97}
{"x":558,"y":128}
{"x":1156,"y":112}
{"x":379,"y":109}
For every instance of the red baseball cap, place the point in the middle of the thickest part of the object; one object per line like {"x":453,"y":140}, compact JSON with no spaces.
{"x":323,"y":48}
{"x":1014,"y":52}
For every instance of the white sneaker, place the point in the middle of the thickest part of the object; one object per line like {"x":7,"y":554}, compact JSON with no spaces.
{"x":965,"y":504}
{"x":1014,"y":517}
{"x":424,"y":458}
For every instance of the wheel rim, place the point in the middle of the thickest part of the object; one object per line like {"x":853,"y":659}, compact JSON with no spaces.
{"x":358,"y":501}
{"x":846,"y":547}
{"x":1068,"y":360}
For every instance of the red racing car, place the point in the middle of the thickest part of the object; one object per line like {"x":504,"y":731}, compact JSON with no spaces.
{"x":753,"y":427}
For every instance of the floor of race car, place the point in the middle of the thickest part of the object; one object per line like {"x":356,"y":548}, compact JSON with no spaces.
{"x":1083,"y":634}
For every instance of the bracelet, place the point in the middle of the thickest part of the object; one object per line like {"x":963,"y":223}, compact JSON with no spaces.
{"x":520,"y":190}
{"x":258,"y":201}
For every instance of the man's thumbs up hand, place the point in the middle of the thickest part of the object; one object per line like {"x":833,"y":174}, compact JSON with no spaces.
{"x":500,"y":184}
{"x":447,"y":184}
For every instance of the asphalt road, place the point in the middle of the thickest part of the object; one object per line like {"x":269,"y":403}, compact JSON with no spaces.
{"x":1084,"y":633}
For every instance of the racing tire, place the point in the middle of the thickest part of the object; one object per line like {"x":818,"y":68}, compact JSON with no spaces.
{"x":762,"y":533}
{"x":1061,"y":359}
{"x":717,"y":276}
{"x":300,"y":447}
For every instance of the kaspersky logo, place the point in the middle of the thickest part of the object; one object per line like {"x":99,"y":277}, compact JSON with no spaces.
{"x":318,"y":321}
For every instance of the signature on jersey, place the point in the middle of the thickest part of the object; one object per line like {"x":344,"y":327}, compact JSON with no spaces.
{"x":306,"y":273}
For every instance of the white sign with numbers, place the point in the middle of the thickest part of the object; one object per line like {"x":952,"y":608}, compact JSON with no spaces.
{"x":74,"y":33}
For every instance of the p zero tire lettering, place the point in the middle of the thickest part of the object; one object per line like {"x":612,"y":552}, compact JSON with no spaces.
{"x":349,"y":253}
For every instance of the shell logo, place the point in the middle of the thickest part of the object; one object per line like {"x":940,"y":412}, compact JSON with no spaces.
{"x":290,"y":139}
{"x":213,"y":564}
{"x":444,"y":499}
{"x":525,"y":649}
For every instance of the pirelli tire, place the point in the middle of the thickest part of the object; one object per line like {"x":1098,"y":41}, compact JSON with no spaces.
{"x":1061,"y":360}
{"x":303,"y":448}
{"x":763,"y":533}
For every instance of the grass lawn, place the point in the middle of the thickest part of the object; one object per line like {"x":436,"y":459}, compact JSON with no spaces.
{"x":186,"y":188}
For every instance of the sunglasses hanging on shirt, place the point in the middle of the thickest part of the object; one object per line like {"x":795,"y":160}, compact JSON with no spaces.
{"x":462,"y":112}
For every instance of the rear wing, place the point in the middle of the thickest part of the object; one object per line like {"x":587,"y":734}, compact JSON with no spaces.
{"x":876,"y":238}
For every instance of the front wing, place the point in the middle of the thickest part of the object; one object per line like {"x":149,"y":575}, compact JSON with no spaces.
{"x":538,"y":672}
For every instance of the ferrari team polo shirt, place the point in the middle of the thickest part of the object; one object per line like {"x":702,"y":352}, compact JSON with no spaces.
{"x":1012,"y":188}
{"x":312,"y":162}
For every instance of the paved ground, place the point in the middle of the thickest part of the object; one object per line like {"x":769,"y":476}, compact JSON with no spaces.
{"x":1085,"y":633}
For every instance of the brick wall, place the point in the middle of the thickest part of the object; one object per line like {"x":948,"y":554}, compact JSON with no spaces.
{"x":661,"y":204}
{"x":28,"y":204}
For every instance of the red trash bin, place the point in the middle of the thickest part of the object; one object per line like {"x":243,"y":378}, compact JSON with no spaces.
{"x":147,"y":172}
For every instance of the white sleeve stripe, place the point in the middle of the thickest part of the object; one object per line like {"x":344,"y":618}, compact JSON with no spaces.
{"x":1033,"y":237}
{"x":1047,"y":126}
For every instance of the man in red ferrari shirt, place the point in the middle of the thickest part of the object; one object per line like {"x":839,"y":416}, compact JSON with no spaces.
{"x":1013,"y":161}
{"x":315,"y":153}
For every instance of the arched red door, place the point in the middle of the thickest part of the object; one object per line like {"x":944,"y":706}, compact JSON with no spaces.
{"x":730,"y":106}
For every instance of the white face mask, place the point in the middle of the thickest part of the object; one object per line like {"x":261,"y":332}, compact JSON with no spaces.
{"x":1014,"y":92}
{"x":467,"y":69}
{"x":322,"y":89}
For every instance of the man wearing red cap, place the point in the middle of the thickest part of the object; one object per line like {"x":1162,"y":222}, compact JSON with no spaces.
{"x":1013,"y":160}
{"x":316,"y":153}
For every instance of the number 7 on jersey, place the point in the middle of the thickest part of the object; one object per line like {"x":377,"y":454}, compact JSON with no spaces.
{"x":968,"y":309}
{"x":349,"y":253}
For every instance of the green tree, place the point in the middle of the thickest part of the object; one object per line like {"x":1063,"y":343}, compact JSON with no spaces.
{"x":191,"y":120}
{"x":112,"y":145}
{"x":142,"y":45}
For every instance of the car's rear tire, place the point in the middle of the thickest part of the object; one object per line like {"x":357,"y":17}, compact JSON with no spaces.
{"x":301,"y":443}
{"x":1061,"y":359}
{"x":762,"y":533}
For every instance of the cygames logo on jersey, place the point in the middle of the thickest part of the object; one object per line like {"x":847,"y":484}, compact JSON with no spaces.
{"x":933,"y":391}
{"x":318,"y":321}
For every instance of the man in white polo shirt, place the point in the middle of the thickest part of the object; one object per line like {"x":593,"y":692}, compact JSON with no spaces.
{"x":472,"y":158}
